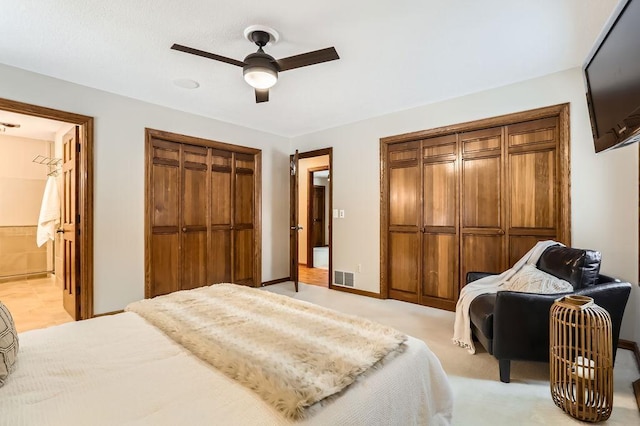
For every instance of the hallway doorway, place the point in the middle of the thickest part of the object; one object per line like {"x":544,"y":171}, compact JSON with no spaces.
{"x":314,"y":201}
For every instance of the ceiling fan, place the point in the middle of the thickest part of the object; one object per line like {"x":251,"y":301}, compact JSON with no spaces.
{"x":260,"y":69}
{"x":12,"y":125}
{"x":5,"y":126}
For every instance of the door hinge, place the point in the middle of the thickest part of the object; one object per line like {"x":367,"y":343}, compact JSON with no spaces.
{"x":78,"y":219}
{"x":78,"y":147}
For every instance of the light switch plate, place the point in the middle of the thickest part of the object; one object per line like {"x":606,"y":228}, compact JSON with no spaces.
{"x":341,"y":214}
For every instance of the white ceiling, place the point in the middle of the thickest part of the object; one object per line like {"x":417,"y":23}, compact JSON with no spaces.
{"x":30,"y":126}
{"x":394,"y":54}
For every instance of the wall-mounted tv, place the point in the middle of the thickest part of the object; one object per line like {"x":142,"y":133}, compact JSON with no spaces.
{"x":612,"y":74}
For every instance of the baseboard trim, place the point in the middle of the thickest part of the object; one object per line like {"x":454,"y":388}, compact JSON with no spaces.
{"x":633,"y":346}
{"x":355,"y":291}
{"x":278,"y":281}
{"x":108,"y":313}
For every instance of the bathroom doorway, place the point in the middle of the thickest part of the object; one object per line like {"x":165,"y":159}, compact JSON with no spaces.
{"x":49,"y":152}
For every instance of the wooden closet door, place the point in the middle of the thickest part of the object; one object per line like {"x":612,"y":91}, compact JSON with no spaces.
{"x":220,"y":252}
{"x":164,"y":199}
{"x":440,"y":222}
{"x":195,"y":212}
{"x":482,"y":217}
{"x":243,"y":255}
{"x":533,"y":189}
{"x":405,"y":215}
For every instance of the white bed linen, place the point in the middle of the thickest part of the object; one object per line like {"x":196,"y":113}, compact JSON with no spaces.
{"x":119,"y":370}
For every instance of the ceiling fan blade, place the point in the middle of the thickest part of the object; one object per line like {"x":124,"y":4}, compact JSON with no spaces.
{"x":208,"y":55}
{"x":262,"y":95}
{"x":310,"y":58}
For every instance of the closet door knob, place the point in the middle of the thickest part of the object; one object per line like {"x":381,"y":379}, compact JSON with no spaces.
{"x":184,"y":229}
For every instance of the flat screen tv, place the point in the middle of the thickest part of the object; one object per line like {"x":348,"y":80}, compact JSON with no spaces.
{"x":612,"y":74}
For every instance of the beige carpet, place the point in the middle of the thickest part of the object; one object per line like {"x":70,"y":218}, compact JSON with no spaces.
{"x":480,"y":397}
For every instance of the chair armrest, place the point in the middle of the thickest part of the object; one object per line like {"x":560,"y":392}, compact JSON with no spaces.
{"x":613,"y":297}
{"x":604,"y":279}
{"x":474,"y":276}
{"x":521,"y":320}
{"x":521,"y":325}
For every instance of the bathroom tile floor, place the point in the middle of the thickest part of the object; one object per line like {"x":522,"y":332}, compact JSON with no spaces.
{"x":34,"y":303}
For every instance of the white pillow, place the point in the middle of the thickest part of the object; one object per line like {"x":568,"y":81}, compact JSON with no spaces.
{"x":8,"y":343}
{"x":530,"y":279}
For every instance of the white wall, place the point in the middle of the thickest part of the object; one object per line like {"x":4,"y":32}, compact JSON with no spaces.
{"x":119,"y":177}
{"x":21,"y":180}
{"x":604,"y":187}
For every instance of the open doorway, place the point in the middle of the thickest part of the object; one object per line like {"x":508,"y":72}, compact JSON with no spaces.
{"x":314,"y":200}
{"x":48,"y":277}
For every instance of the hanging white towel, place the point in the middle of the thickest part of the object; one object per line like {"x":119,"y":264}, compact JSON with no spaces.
{"x":49,"y":212}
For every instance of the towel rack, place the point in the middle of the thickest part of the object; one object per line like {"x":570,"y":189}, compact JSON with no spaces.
{"x":52,"y":162}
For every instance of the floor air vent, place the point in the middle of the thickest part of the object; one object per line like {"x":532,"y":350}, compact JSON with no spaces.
{"x":348,"y":279}
{"x":343,"y":278}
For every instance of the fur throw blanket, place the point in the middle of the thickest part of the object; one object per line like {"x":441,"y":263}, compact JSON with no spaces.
{"x":291,"y":353}
{"x":491,"y":284}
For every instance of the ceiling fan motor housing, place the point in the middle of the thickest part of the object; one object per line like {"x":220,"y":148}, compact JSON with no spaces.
{"x":261,"y":38}
{"x":260,"y":63}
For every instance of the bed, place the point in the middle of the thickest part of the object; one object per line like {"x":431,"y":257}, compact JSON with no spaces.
{"x":121,"y":369}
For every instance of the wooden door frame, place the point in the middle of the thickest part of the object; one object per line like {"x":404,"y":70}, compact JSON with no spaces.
{"x":85,"y":190}
{"x":311,"y":154}
{"x":151,"y":134}
{"x":564,"y":170}
{"x":310,"y":185}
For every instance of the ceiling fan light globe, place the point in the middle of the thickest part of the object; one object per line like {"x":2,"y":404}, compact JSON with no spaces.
{"x":260,"y":77}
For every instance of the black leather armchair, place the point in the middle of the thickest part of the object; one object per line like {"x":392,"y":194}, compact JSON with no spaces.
{"x":515,"y":326}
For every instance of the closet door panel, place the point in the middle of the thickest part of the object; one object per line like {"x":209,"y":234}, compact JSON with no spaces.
{"x":440,"y":194}
{"x":194,"y":193}
{"x":165,"y":195}
{"x":404,"y":266}
{"x":219,"y":259}
{"x":194,"y":264}
{"x":534,"y":190}
{"x":244,"y":189}
{"x":519,"y":246}
{"x":243,"y":257}
{"x":534,"y":133}
{"x":440,"y":274}
{"x":220,"y":256}
{"x":220,"y":187}
{"x":244,"y":198}
{"x":164,"y":200}
{"x":164,"y":261}
{"x":532,"y":177}
{"x":481,"y":193}
{"x":481,"y":253}
{"x":404,"y":219}
{"x":405,"y":196}
{"x":439,"y":281}
{"x":195,"y":209}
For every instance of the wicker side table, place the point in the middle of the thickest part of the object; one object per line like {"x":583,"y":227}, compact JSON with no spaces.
{"x":581,"y":358}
